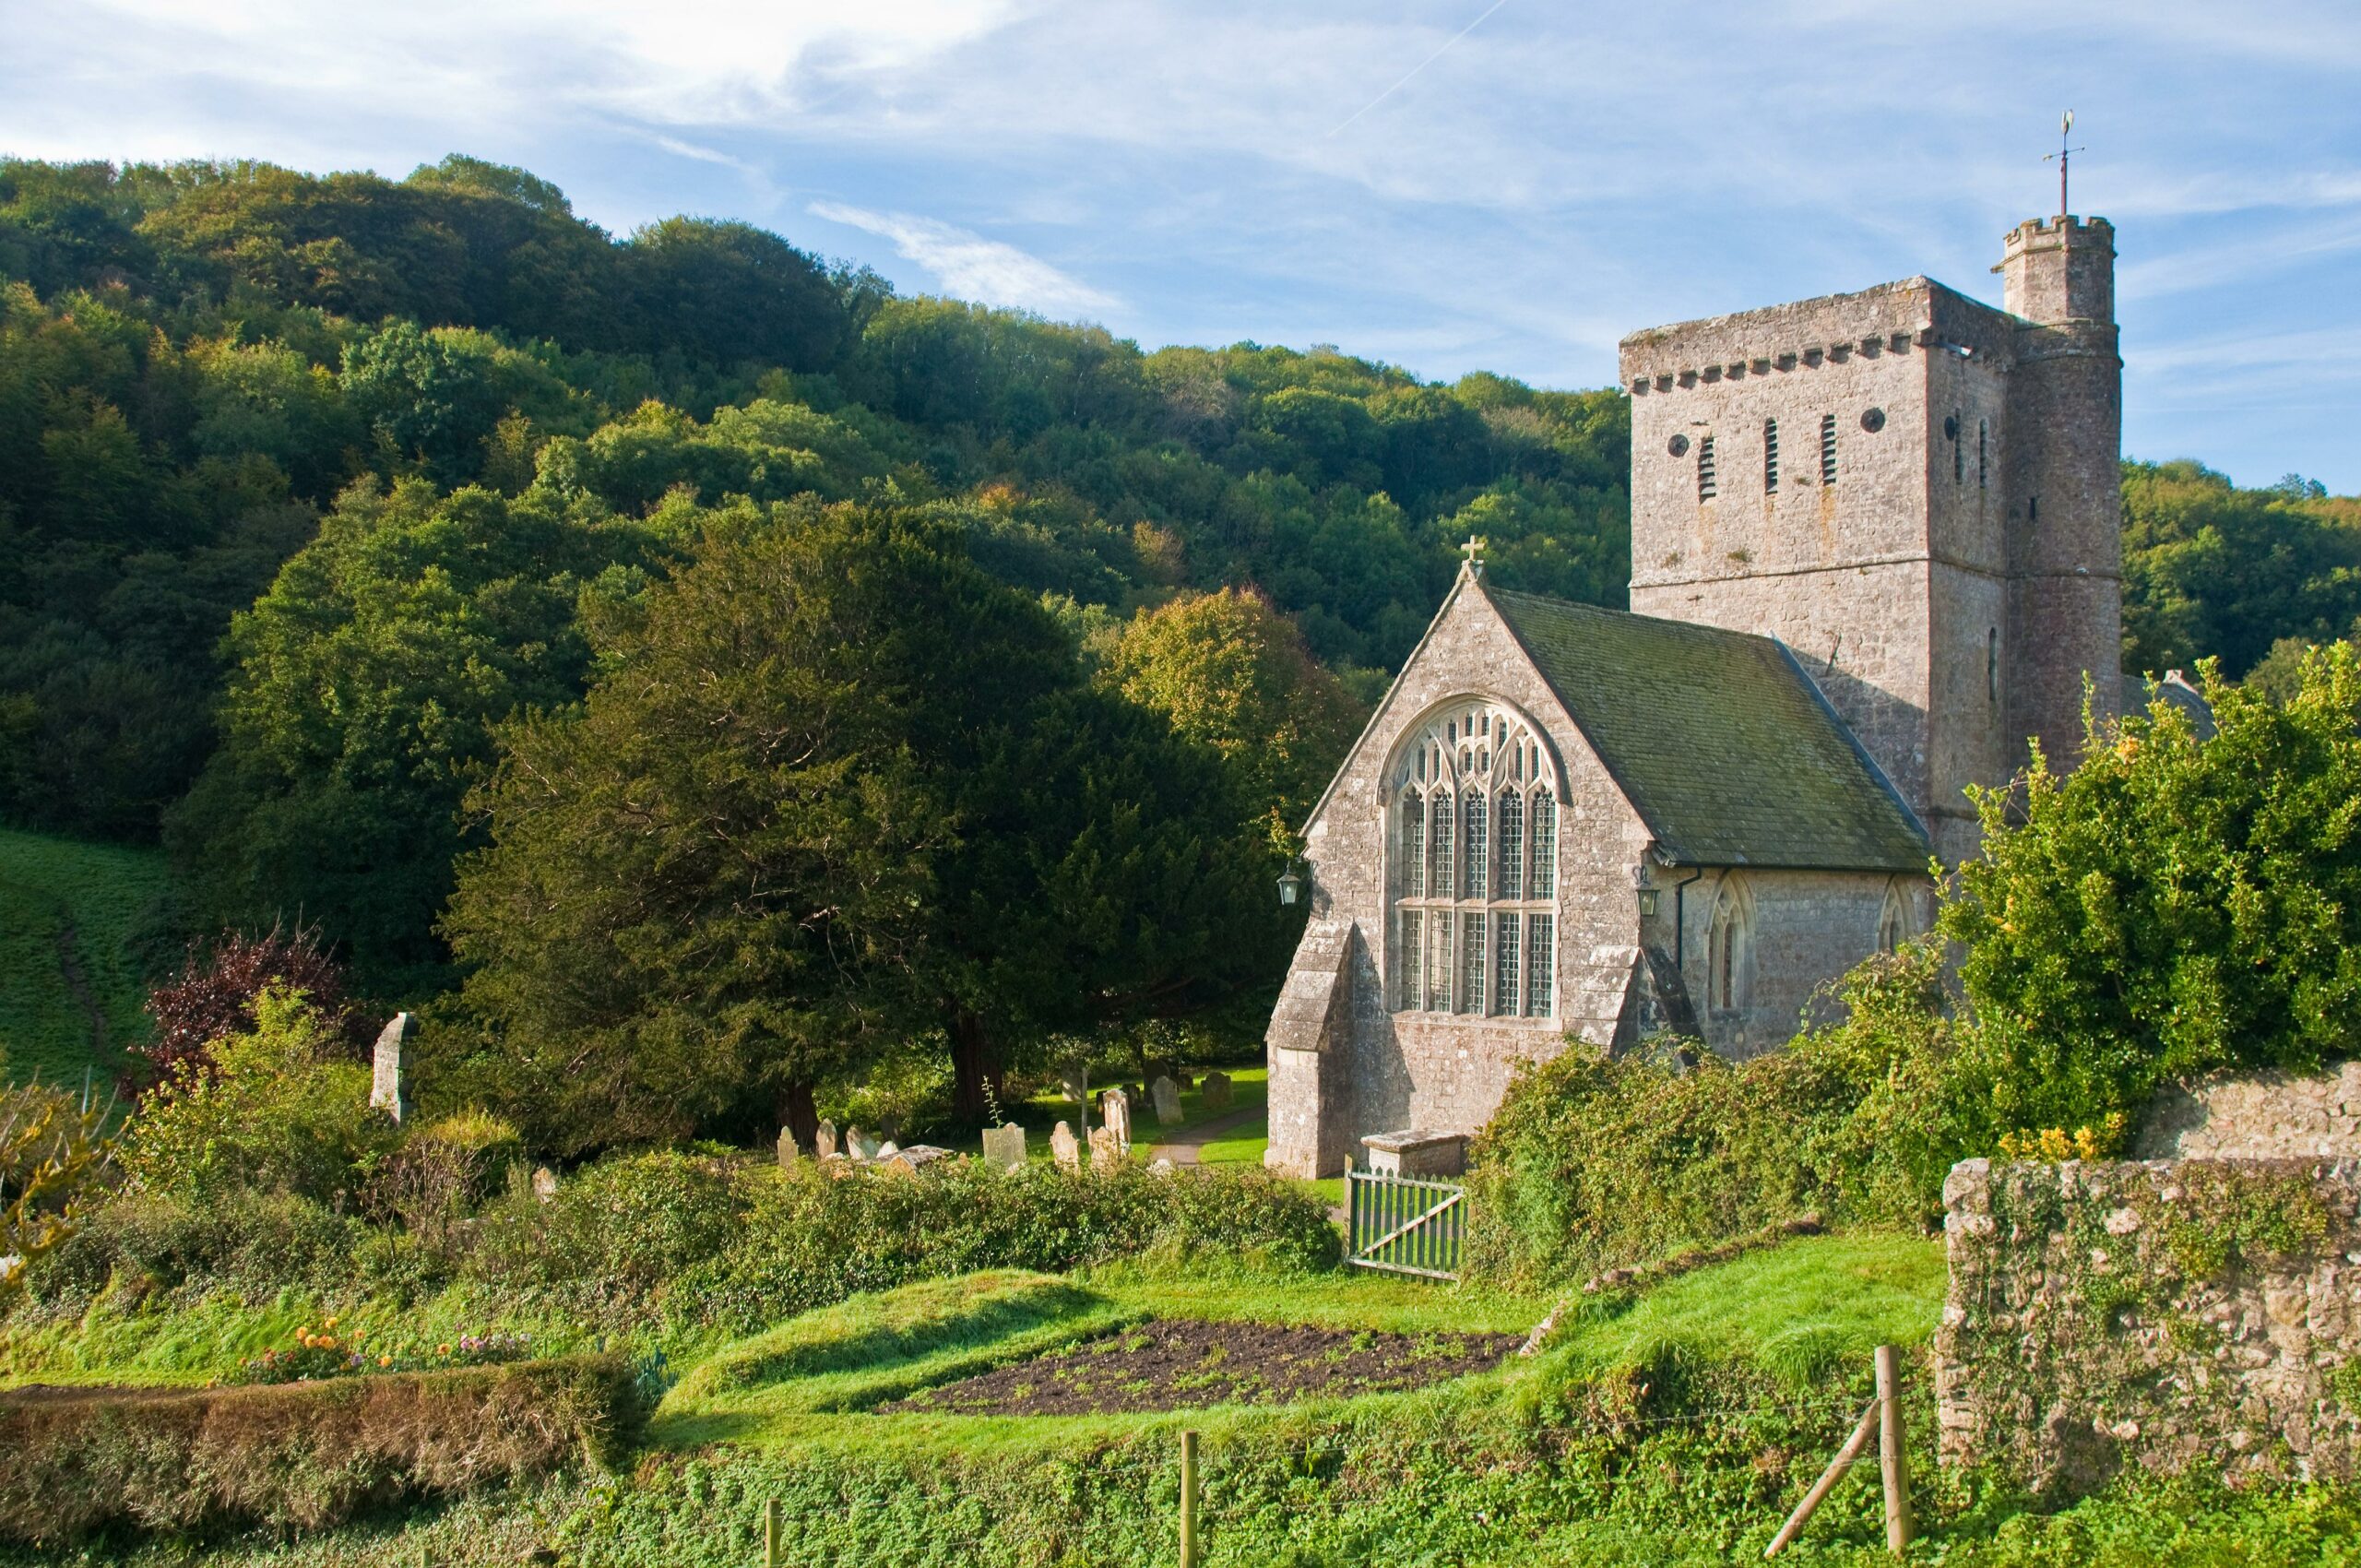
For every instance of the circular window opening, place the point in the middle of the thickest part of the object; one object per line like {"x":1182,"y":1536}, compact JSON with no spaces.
{"x":1678,"y":447}
{"x":1873,"y":420}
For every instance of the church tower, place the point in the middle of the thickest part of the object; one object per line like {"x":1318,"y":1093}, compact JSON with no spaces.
{"x":1916,"y":492}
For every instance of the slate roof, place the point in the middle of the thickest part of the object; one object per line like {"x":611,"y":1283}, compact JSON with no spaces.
{"x":1723,"y":745}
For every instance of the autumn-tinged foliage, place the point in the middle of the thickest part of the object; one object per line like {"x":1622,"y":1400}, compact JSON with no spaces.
{"x":214,"y":994}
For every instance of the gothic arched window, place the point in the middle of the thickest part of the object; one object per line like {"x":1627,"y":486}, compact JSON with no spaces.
{"x":1895,"y":923}
{"x":1473,"y":878}
{"x":1729,"y":947}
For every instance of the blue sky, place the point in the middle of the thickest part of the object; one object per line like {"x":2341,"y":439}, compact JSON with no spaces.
{"x":1426,"y":181}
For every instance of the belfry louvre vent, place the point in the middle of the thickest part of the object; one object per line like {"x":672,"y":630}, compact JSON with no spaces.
{"x":1706,"y":487}
{"x":1828,"y":448}
{"x":1771,"y":457}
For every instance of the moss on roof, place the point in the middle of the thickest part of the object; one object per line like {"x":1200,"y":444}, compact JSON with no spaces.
{"x":1719,"y":739}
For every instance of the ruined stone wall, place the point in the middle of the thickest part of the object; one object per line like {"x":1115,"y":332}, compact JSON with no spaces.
{"x":2152,"y":1316}
{"x":2265,"y":1115}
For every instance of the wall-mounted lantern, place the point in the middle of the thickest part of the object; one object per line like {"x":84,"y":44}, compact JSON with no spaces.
{"x":1291,"y":885}
{"x":1647,"y":903}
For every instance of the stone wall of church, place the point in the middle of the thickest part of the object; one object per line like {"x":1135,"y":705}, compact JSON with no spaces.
{"x":1807,"y":928}
{"x":1426,"y":1070}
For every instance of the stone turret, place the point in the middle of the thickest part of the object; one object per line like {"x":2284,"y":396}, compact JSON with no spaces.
{"x":2065,"y":482}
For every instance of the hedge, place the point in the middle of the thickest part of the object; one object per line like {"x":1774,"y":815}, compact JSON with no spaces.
{"x":77,"y":1461}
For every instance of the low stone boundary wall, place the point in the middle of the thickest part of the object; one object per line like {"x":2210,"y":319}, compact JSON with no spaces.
{"x":2152,"y":1314}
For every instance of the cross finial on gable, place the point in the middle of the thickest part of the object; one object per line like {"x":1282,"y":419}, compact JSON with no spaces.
{"x":1474,"y":550}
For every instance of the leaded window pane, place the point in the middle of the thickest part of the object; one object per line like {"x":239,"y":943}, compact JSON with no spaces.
{"x":1410,"y":953}
{"x":1471,"y":963}
{"x":1414,"y":846}
{"x":1474,"y":861}
{"x":1541,"y":964}
{"x":1508,"y":975}
{"x":1511,"y":845}
{"x":1545,"y":844}
{"x":1439,"y":958}
{"x":1441,"y":816}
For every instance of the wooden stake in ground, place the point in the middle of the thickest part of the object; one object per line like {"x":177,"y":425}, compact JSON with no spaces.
{"x":1891,"y":1459}
{"x":1188,"y":1500}
{"x":770,"y":1534}
{"x":1828,"y":1477}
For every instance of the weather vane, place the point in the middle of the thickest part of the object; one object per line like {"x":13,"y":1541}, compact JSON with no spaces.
{"x":2064,"y":155}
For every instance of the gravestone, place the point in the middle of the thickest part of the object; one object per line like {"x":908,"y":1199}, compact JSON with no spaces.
{"x":545,"y":1184}
{"x":789,"y":1150}
{"x":1104,"y":1154}
{"x":1064,"y":1149}
{"x":1163,"y":1167}
{"x":861,"y":1145}
{"x":1004,"y":1147}
{"x":1166,"y":1095}
{"x":385,"y":1075}
{"x":910,"y":1161}
{"x":1216,"y":1092}
{"x":824,"y":1141}
{"x":1076,"y":1081}
{"x":1115,"y":1115}
{"x":887,"y":1150}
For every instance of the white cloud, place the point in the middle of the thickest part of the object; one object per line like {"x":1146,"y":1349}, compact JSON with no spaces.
{"x":973,"y":267}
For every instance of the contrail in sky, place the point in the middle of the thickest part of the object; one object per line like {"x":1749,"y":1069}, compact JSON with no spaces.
{"x":1422,"y":66}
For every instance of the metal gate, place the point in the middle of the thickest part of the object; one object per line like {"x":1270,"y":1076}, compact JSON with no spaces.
{"x":1404,"y":1224}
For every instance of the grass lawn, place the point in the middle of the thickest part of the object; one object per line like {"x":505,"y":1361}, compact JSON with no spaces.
{"x":1242,"y":1144}
{"x":72,"y":917}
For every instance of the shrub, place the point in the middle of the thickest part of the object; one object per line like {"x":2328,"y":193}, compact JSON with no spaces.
{"x":276,"y":1109}
{"x":2175,"y":904}
{"x":51,"y":1152}
{"x":442,"y":1170}
{"x":618,"y":1227}
{"x":810,"y":1238}
{"x":302,"y":1454}
{"x":214,"y":994}
{"x":249,"y":1244}
{"x":1592,"y":1163}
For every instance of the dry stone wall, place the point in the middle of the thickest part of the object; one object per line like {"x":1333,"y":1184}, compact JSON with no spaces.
{"x":2266,"y":1115}
{"x":2151,"y":1315}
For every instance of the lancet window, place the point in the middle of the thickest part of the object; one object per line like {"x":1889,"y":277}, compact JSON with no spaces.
{"x":1473,"y":872}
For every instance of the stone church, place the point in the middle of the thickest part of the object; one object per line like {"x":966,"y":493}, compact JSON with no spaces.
{"x":1874,"y":554}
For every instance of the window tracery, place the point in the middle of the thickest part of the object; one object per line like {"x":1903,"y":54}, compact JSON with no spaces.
{"x":1474,"y":874}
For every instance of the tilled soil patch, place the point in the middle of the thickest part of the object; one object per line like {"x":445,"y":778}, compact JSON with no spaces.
{"x":1183,"y":1363}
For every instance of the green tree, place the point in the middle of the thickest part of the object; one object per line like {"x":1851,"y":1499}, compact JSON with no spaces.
{"x":1230,"y":671}
{"x":2172,"y":906}
{"x":358,"y":713}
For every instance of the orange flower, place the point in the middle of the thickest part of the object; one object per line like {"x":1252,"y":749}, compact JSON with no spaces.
{"x":385,"y":1360}
{"x":442,"y":1349}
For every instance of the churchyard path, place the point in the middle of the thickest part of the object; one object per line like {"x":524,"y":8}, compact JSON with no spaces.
{"x":1182,"y":1149}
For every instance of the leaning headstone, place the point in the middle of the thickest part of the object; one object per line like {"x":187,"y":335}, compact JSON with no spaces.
{"x":1064,"y":1149}
{"x":1115,"y":1115}
{"x":859,"y":1145}
{"x":789,"y":1150}
{"x":1216,"y":1092}
{"x":824,"y":1141}
{"x":545,"y":1184}
{"x":888,"y":1150}
{"x":1104,"y":1153}
{"x":1166,"y":1095}
{"x":385,"y":1075}
{"x":912,"y":1161}
{"x":1004,"y":1147}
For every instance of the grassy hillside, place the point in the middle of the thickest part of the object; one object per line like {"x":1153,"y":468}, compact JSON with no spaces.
{"x":78,"y":925}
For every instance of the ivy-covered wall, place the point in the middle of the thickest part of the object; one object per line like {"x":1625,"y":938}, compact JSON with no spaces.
{"x":2152,"y":1314}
